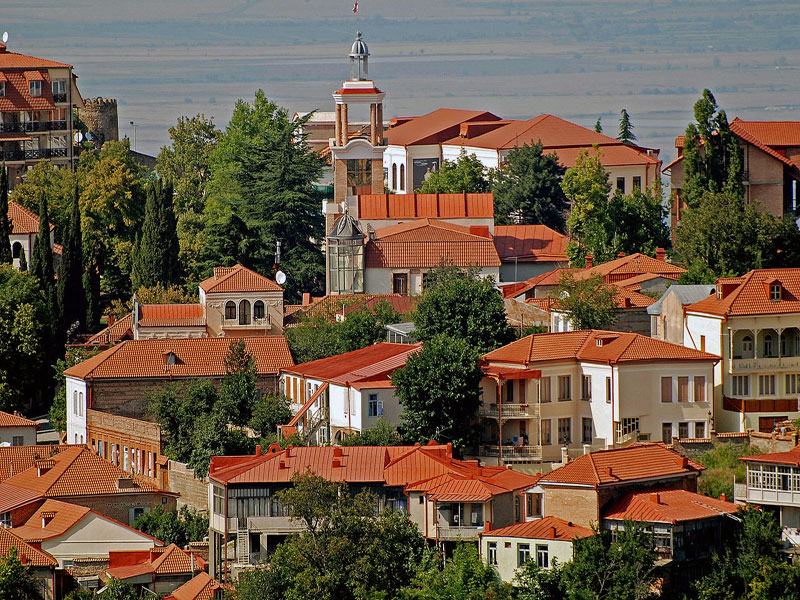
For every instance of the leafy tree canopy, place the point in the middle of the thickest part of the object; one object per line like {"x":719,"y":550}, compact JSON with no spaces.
{"x":5,"y":223}
{"x":382,"y":433}
{"x":16,"y":580}
{"x":269,"y":411}
{"x":155,"y":256}
{"x":173,"y":526}
{"x":589,"y":302}
{"x":465,"y":174}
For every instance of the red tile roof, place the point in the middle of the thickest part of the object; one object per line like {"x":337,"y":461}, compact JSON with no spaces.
{"x":426,"y":243}
{"x":29,"y":555}
{"x":630,"y":265}
{"x":456,"y":488}
{"x":12,"y":497}
{"x":23,"y":221}
{"x":122,"y":329}
{"x":16,"y":459}
{"x":195,"y":357}
{"x":171,"y":315}
{"x":63,"y":516}
{"x":13,"y":60}
{"x":615,"y":347}
{"x":530,"y":243}
{"x":9,"y":420}
{"x":201,"y":587}
{"x":171,"y":560}
{"x":423,"y":206}
{"x":621,"y":465}
{"x":667,"y":506}
{"x":18,"y":95}
{"x":771,"y":133}
{"x":547,"y":528}
{"x":752,"y":295}
{"x":77,"y":471}
{"x":238,"y":279}
{"x":434,"y":127}
{"x":792,"y":457}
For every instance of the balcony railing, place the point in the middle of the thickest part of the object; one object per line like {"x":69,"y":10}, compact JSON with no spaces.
{"x":37,"y":154}
{"x":510,"y":410}
{"x":765,"y":364}
{"x":513,"y":452}
{"x":60,"y":97}
{"x":33,"y":126}
{"x":447,"y":531}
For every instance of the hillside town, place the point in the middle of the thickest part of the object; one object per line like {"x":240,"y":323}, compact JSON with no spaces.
{"x":344,"y":354}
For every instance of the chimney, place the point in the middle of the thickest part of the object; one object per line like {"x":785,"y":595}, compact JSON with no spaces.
{"x":607,"y":471}
{"x":487,"y":526}
{"x":553,"y":532}
{"x":661,"y":254}
{"x":621,"y":254}
{"x":258,"y":449}
{"x":289,"y":451}
{"x":337,"y":452}
{"x":654,"y":498}
{"x":683,"y":462}
{"x":724,"y":497}
{"x":306,"y":298}
{"x":564,"y":455}
{"x":111,"y":320}
{"x":282,"y":464}
{"x":337,"y":462}
{"x":589,"y":261}
{"x":449,"y":449}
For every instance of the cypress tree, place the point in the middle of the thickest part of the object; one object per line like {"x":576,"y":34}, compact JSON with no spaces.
{"x":42,"y":264}
{"x":23,"y":263}
{"x":5,"y":224}
{"x":71,"y":299}
{"x":91,"y":284}
{"x":598,"y":127}
{"x":626,"y":134}
{"x":155,"y":259}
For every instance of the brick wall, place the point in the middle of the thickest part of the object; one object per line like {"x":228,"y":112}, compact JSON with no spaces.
{"x":20,"y":515}
{"x":117,"y":506}
{"x":578,"y":505}
{"x":193,"y":490}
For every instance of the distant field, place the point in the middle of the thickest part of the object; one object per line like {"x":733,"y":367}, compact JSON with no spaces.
{"x":579,"y":60}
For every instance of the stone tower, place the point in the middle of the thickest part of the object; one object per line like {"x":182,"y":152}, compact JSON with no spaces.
{"x":100,"y":117}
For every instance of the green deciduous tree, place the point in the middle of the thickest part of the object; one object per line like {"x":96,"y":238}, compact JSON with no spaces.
{"x":535,"y":583}
{"x":461,"y":304}
{"x":238,"y":392}
{"x":157,"y":294}
{"x":269,"y":411}
{"x":528,"y":188}
{"x":57,"y":184}
{"x":173,"y":526}
{"x":155,"y":256}
{"x":589,"y":303}
{"x":16,"y":580}
{"x":465,"y":174}
{"x":5,"y":222}
{"x":587,"y":187}
{"x":439,"y":390}
{"x":625,"y":134}
{"x":382,"y":433}
{"x":71,"y":295}
{"x":116,"y":589}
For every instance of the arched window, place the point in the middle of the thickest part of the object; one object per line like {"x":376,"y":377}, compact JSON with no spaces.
{"x":402,"y":176}
{"x":244,"y":312}
{"x":230,"y":310}
{"x":16,"y":250}
{"x":768,"y":345}
{"x":80,"y":404}
{"x":258,"y":309}
{"x":75,"y":402}
{"x":747,"y":344}
{"x":394,"y":176}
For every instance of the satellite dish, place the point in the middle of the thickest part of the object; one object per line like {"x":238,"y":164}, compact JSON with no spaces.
{"x":5,"y":37}
{"x":78,"y":137}
{"x":280,"y":277}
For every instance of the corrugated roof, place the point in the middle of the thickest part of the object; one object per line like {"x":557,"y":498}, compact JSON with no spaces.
{"x":195,"y":357}
{"x":752,"y":295}
{"x":9,"y":420}
{"x":421,"y":206}
{"x":171,"y":315}
{"x":426,"y":243}
{"x":547,"y":528}
{"x":530,"y":243}
{"x":32,"y":556}
{"x":686,"y":294}
{"x":379,"y":358}
{"x":238,"y":279}
{"x":792,"y":457}
{"x":667,"y":506}
{"x":434,"y":127}
{"x":23,"y":221}
{"x":621,"y":465}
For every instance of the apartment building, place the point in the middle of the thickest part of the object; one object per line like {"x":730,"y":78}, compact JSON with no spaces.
{"x":753,"y":323}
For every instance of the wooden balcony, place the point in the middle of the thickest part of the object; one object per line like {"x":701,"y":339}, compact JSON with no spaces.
{"x":513,"y":453}
{"x":510,"y":411}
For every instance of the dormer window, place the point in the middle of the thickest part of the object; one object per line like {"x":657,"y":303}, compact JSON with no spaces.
{"x":35,"y":88}
{"x":2,"y":89}
{"x":775,"y":292}
{"x":170,"y":358}
{"x":719,"y":292}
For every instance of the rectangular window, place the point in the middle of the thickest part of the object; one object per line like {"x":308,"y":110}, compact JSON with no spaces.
{"x":5,"y":519}
{"x":699,"y":389}
{"x":666,"y":389}
{"x":18,"y":440}
{"x":564,"y":388}
{"x":523,"y":554}
{"x":627,"y":426}
{"x":741,"y":385}
{"x":766,"y":385}
{"x":400,"y":283}
{"x":666,"y":433}
{"x":542,"y":556}
{"x":683,"y":389}
{"x":586,"y":438}
{"x":509,"y":389}
{"x":792,"y":383}
{"x":522,"y":391}
{"x":491,"y":553}
{"x":608,"y":390}
{"x":637,"y":183}
{"x":768,"y":424}
{"x":544,"y":389}
{"x":700,"y":429}
{"x":683,"y":430}
{"x":476,"y":514}
{"x":546,"y":440}
{"x":35,"y":88}
{"x":375,"y":406}
{"x":565,"y":431}
{"x":586,"y":387}
{"x":219,"y":500}
{"x":59,"y":87}
{"x":2,"y":89}
{"x":621,"y":184}
{"x":702,"y":343}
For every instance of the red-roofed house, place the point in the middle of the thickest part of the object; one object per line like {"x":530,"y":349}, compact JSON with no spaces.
{"x":36,"y":101}
{"x":161,"y":569}
{"x":25,"y":230}
{"x":753,"y":322}
{"x":543,"y":541}
{"x":629,"y":167}
{"x":42,"y":566}
{"x":200,"y":587}
{"x":344,"y":394}
{"x":562,"y":393}
{"x":771,"y":152}
{"x":529,"y":250}
{"x":16,"y":430}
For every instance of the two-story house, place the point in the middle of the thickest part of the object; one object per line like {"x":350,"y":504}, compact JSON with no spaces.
{"x":666,"y":313}
{"x":753,"y":323}
{"x":554,"y":393}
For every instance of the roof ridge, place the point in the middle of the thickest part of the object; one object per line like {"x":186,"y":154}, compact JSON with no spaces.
{"x":594,"y":468}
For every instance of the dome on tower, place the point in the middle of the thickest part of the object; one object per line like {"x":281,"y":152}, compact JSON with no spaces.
{"x":359,"y":47}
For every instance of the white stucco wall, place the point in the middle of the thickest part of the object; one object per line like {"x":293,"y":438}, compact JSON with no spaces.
{"x":76,"y":419}
{"x":506,"y":566}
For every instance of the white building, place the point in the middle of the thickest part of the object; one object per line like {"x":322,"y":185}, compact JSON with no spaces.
{"x":753,"y":322}
{"x":16,"y":430}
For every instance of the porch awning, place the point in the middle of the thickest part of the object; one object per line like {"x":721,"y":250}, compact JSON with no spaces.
{"x":511,"y":373}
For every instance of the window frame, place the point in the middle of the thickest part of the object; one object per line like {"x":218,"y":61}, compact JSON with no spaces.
{"x":564,"y":385}
{"x":586,"y":388}
{"x":567,"y":430}
{"x":584,"y":422}
{"x":228,"y":305}
{"x":400,"y":278}
{"x":523,"y":553}
{"x":548,"y":441}
{"x":37,"y":84}
{"x":491,"y":553}
{"x":259,"y":306}
{"x":542,"y":556}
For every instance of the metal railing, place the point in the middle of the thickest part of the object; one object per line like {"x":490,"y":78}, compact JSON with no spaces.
{"x":510,"y":410}
{"x":33,"y":126}
{"x":35,"y":154}
{"x":513,"y":452}
{"x":60,"y":97}
{"x":453,"y":532}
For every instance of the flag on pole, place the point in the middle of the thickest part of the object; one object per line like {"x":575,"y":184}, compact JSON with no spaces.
{"x":355,"y":7}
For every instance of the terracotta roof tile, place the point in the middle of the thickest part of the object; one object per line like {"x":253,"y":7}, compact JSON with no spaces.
{"x":9,"y":420}
{"x":772,"y":133}
{"x":18,"y":95}
{"x":421,"y":206}
{"x":427,"y":243}
{"x":16,"y":459}
{"x":620,"y":465}
{"x":171,"y":560}
{"x":195,"y":357}
{"x":456,"y":488}
{"x":547,"y":528}
{"x":792,"y":457}
{"x":238,"y":279}
{"x":630,"y":265}
{"x":434,"y":127}
{"x":378,"y":359}
{"x":14,"y":60}
{"x":200,"y":587}
{"x":31,"y":556}
{"x":171,"y":315}
{"x":530,"y":243}
{"x":12,"y":497}
{"x":23,"y":221}
{"x":122,"y":329}
{"x":752,"y":295}
{"x":62,"y":516}
{"x":667,"y":506}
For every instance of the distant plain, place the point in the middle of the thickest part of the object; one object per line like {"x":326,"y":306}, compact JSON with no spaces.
{"x":577,"y":59}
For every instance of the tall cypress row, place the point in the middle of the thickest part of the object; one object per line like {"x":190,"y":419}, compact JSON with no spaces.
{"x":155,"y":258}
{"x":42,"y":260}
{"x":5,"y":225}
{"x":71,"y":298}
